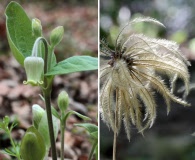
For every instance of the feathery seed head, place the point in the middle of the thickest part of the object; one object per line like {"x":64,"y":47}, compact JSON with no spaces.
{"x":132,"y":75}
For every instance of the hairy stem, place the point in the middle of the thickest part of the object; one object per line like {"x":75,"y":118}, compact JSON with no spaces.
{"x":115,"y":127}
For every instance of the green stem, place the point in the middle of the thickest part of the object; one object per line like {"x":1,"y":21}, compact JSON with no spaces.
{"x":13,"y":144}
{"x":47,"y":95}
{"x":92,"y":150}
{"x":62,"y":128}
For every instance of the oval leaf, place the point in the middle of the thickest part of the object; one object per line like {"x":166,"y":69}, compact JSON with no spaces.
{"x":74,"y":64}
{"x":19,"y":31}
{"x":32,"y":145}
{"x":20,"y":35}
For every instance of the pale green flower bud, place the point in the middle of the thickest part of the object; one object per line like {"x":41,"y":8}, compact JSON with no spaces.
{"x":36,"y":27}
{"x":34,"y":67}
{"x":63,"y":101}
{"x":56,"y":35}
{"x":38,"y":113}
{"x":32,"y":146}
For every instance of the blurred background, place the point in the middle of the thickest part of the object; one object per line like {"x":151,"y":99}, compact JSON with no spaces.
{"x":170,"y":138}
{"x":80,"y":21}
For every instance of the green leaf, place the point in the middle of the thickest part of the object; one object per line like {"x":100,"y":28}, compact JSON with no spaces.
{"x":76,"y":113}
{"x":32,"y":146}
{"x":19,"y":31}
{"x":55,"y":112}
{"x":94,"y":135}
{"x":93,"y":131}
{"x":9,"y":152}
{"x":13,"y":125}
{"x":44,"y":129}
{"x":74,"y":64}
{"x":4,"y":125}
{"x":6,"y":120}
{"x":20,"y":34}
{"x":51,"y":58}
{"x":89,"y":127}
{"x":93,"y":150}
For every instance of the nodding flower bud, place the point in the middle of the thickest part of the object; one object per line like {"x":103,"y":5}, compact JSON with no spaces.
{"x":63,"y":101}
{"x":34,"y":67}
{"x":36,"y":27}
{"x":56,"y":35}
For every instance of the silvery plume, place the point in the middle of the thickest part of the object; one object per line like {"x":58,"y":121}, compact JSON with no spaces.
{"x":133,"y":74}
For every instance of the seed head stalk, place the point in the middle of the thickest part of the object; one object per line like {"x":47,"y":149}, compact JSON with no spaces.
{"x":115,"y":127}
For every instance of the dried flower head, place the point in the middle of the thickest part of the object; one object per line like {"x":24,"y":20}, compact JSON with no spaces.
{"x":133,"y":74}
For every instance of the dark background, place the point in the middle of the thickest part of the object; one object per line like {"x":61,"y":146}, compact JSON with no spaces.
{"x":170,"y":138}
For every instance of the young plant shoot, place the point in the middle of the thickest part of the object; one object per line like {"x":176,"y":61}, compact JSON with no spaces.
{"x":36,"y":55}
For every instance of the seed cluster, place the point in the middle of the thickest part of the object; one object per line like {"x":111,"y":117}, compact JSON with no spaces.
{"x":134,"y":73}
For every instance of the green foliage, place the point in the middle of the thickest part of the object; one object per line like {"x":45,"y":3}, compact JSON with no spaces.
{"x":24,"y":38}
{"x":93,"y":132}
{"x":40,"y":123}
{"x":43,"y":129}
{"x":74,"y":64}
{"x":15,"y":149}
{"x":76,"y":113}
{"x":19,"y":32}
{"x":63,"y":103}
{"x":32,"y":146}
{"x":55,"y":113}
{"x":21,"y":38}
{"x":22,"y":34}
{"x":4,"y":124}
{"x":91,"y":128}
